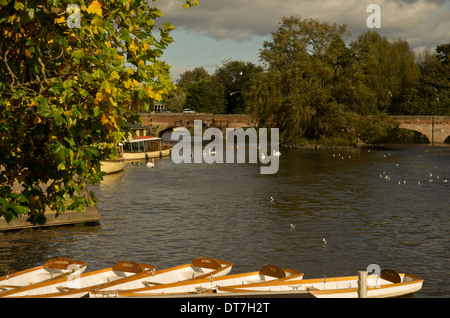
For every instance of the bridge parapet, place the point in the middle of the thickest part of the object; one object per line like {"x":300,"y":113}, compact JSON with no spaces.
{"x":435,"y":128}
{"x":160,"y":122}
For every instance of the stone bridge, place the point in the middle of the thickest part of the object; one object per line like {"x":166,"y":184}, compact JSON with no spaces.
{"x":435,"y":128}
{"x":159,"y":123}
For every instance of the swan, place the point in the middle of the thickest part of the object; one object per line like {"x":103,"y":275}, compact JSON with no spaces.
{"x":151,"y":164}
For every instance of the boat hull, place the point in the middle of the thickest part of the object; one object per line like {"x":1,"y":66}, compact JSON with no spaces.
{"x":207,"y":285}
{"x":335,"y":287}
{"x":121,"y":274}
{"x":78,"y":284}
{"x":200,"y":268}
{"x":53,"y":269}
{"x":113,"y":166}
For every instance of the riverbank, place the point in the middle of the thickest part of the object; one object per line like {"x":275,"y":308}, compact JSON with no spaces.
{"x":91,"y":215}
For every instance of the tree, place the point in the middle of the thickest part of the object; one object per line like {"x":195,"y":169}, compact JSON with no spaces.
{"x":434,"y":91}
{"x":317,"y":89}
{"x":204,"y":92}
{"x":303,"y":62}
{"x":235,"y":77}
{"x":71,"y":77}
{"x":389,"y":71}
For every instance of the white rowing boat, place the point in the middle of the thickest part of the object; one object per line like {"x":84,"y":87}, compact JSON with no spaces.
{"x":122,"y":273}
{"x":388,"y":284}
{"x":78,"y":284}
{"x":200,"y":267}
{"x":207,"y":285}
{"x":52,"y":269}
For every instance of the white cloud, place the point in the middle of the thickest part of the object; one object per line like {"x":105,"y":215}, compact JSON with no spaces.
{"x":420,"y":22}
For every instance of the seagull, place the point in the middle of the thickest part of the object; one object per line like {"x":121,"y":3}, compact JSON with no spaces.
{"x":271,"y":199}
{"x":151,"y":164}
{"x":324,"y":242}
{"x":276,"y":153}
{"x":263,"y":156}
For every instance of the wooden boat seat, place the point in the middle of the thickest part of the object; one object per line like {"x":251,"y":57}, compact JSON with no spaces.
{"x":61,"y":263}
{"x":206,"y":262}
{"x":272,"y":271}
{"x":131,"y":267}
{"x":390,"y":275}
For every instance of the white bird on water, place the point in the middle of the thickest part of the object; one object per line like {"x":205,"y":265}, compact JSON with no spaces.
{"x":276,"y":153}
{"x":292,"y":226}
{"x":324,"y":242}
{"x":151,"y":164}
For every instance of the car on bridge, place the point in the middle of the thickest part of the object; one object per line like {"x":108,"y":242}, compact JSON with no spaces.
{"x":188,"y":111}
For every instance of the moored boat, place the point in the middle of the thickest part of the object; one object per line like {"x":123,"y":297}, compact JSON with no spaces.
{"x":114,"y":165}
{"x":211,"y":284}
{"x":52,"y":269}
{"x":388,"y":284}
{"x":199,"y":268}
{"x":145,"y":147}
{"x":78,"y":284}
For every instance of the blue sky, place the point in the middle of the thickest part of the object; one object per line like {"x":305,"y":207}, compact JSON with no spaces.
{"x":217,"y":30}
{"x":192,"y":50}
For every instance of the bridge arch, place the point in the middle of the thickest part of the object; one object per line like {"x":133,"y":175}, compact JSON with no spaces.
{"x":435,"y":128}
{"x":423,"y":133}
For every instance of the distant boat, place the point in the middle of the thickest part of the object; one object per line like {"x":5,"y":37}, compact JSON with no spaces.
{"x":389,"y":284}
{"x":145,"y":147}
{"x":52,"y":269}
{"x":114,"y":165}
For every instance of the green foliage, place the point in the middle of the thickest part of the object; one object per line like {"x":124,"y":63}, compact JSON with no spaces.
{"x":67,"y":94}
{"x":236,"y":78}
{"x":434,"y":90}
{"x":301,"y":91}
{"x":222,"y":92}
{"x":390,"y":72}
{"x":316,"y":88}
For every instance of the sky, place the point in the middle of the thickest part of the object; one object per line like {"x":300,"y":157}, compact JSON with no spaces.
{"x":217,"y":30}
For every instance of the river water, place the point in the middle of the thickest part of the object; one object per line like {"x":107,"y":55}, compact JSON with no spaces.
{"x":367,"y":204}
